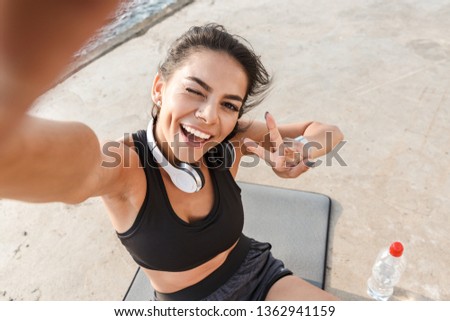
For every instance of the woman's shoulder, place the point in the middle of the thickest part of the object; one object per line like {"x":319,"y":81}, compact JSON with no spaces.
{"x":124,"y":205}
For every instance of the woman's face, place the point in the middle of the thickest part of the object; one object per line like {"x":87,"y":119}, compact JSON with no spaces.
{"x":200,"y":104}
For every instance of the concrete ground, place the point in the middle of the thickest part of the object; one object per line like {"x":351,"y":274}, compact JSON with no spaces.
{"x":377,"y":69}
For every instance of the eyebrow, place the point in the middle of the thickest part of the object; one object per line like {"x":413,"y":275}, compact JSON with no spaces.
{"x":209,"y":89}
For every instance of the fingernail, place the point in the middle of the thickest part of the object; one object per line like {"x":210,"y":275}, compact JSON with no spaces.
{"x":265,"y":115}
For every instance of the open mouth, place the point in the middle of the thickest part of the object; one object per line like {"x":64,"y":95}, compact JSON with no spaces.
{"x":194,"y":137}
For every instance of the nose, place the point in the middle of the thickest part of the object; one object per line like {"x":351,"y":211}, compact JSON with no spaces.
{"x":207,"y":112}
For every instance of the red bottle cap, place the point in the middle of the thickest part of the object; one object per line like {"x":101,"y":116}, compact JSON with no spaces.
{"x":396,"y":249}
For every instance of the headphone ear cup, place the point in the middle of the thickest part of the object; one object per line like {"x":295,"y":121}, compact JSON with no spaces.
{"x":199,"y":173}
{"x":221,"y":156}
{"x":187,"y":178}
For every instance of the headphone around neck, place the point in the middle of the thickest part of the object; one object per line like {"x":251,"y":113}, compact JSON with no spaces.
{"x":185,"y":176}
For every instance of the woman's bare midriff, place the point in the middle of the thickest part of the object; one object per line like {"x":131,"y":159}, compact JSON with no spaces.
{"x":168,"y":282}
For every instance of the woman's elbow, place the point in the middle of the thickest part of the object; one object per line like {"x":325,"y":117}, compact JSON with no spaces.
{"x":334,"y":131}
{"x":337,"y":133}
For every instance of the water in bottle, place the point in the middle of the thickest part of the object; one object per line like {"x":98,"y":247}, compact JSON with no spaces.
{"x":386,"y":272}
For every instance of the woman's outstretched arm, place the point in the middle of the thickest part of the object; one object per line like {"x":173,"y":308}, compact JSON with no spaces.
{"x":47,"y":161}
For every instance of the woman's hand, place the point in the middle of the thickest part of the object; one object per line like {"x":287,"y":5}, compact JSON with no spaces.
{"x":286,"y":156}
{"x":37,"y":41}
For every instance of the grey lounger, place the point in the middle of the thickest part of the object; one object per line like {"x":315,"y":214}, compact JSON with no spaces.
{"x":295,"y":223}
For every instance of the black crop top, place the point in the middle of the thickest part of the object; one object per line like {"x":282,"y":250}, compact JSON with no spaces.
{"x":160,"y":240}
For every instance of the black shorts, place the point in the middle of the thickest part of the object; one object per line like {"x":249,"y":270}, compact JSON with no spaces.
{"x":248,"y":273}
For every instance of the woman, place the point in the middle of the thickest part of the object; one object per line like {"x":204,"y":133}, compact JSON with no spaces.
{"x":188,"y":243}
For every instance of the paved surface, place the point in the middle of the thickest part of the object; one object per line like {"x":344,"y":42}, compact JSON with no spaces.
{"x":378,"y":69}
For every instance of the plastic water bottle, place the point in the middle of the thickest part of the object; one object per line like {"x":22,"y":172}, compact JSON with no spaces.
{"x":386,"y":272}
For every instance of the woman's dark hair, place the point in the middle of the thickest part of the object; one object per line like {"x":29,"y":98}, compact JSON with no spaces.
{"x":215,"y":37}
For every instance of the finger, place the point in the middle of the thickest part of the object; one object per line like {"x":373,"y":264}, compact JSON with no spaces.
{"x":298,"y":169}
{"x":258,"y":150}
{"x":274,"y":134}
{"x":293,"y":153}
{"x":283,"y":165}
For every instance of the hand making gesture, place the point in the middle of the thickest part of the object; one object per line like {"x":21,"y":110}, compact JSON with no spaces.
{"x":288,"y":157}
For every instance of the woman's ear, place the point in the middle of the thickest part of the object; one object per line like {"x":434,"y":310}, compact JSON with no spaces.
{"x":157,"y":89}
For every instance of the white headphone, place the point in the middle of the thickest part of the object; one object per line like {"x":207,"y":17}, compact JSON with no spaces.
{"x":186,"y":177}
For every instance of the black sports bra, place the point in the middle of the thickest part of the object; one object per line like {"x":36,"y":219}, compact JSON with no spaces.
{"x":160,"y":240}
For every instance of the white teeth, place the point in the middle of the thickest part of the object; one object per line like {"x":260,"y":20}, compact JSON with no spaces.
{"x":196,"y":132}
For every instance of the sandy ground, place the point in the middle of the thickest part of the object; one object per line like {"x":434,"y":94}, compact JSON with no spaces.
{"x":378,"y":69}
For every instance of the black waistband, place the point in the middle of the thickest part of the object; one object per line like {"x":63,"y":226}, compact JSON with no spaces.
{"x":213,"y":281}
